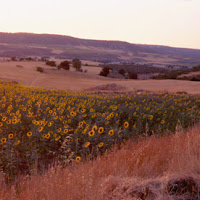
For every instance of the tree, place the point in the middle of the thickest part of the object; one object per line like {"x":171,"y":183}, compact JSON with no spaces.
{"x":132,"y":75}
{"x":105,"y":71}
{"x":51,"y":63}
{"x":122,"y":72}
{"x":76,"y":63}
{"x":64,"y":65}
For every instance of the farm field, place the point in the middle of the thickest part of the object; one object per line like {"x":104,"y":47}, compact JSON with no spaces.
{"x":47,"y":124}
{"x":60,"y":122}
{"x":50,"y":129}
{"x":25,"y":74}
{"x":164,"y":168}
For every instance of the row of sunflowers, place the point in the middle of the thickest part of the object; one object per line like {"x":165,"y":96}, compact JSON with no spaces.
{"x":57,"y":125}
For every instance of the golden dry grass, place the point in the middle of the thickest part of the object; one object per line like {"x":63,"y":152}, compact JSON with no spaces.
{"x":141,"y":169}
{"x":71,"y":80}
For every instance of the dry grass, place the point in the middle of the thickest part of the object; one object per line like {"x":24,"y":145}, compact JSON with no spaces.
{"x":154,"y":168}
{"x":71,"y":80}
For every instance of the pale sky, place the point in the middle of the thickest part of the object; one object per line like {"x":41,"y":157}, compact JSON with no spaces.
{"x":164,"y":22}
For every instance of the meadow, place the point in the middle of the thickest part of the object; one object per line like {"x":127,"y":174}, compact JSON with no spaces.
{"x":40,"y":128}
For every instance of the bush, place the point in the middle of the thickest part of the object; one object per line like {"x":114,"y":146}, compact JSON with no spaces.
{"x":132,"y":75}
{"x":51,"y":63}
{"x":64,"y":65}
{"x":40,"y":69}
{"x":122,"y":72}
{"x":105,"y":71}
{"x":195,"y":79}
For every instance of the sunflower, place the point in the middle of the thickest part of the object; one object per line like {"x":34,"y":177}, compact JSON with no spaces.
{"x":9,"y":121}
{"x":126,"y":124}
{"x":3,"y":140}
{"x":111,"y":132}
{"x":29,"y":134}
{"x":78,"y":158}
{"x":112,"y":115}
{"x":56,"y":139}
{"x":163,"y":121}
{"x":1,"y":124}
{"x":87,"y":144}
{"x":150,"y":117}
{"x":83,"y":110}
{"x":80,"y":125}
{"x":44,"y":136}
{"x":91,"y":133}
{"x":78,"y":139}
{"x":41,"y":129}
{"x":14,"y":121}
{"x":4,"y":119}
{"x":66,"y":131}
{"x":10,"y":136}
{"x":101,"y":130}
{"x":100,"y":144}
{"x":73,"y":114}
{"x":66,"y":126}
{"x":59,"y":130}
{"x":54,"y":114}
{"x":18,"y":141}
{"x":94,"y":127}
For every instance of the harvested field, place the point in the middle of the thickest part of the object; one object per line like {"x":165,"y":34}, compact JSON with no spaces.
{"x":71,"y":80}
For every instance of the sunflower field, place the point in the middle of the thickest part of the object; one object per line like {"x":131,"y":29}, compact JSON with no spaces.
{"x":39,"y":127}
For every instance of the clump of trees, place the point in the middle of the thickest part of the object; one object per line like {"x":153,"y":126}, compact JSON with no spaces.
{"x":51,"y":63}
{"x":64,"y":65}
{"x":76,"y":63}
{"x":105,"y":71}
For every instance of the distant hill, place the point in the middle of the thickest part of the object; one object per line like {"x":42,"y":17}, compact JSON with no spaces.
{"x":29,"y":44}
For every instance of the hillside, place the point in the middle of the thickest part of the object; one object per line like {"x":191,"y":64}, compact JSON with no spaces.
{"x":29,"y":44}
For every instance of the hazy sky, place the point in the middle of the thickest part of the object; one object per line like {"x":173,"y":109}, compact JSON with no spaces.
{"x":164,"y":22}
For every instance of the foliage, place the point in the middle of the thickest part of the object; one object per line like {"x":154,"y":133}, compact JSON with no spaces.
{"x":76,"y":63}
{"x":122,"y":72}
{"x":51,"y":63}
{"x":174,"y":74}
{"x":64,"y":65}
{"x":105,"y":71}
{"x":38,"y":126}
{"x":40,"y":69}
{"x":132,"y":75}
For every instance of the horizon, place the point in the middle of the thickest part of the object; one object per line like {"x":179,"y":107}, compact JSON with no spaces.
{"x":100,"y":39}
{"x":166,"y":23}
